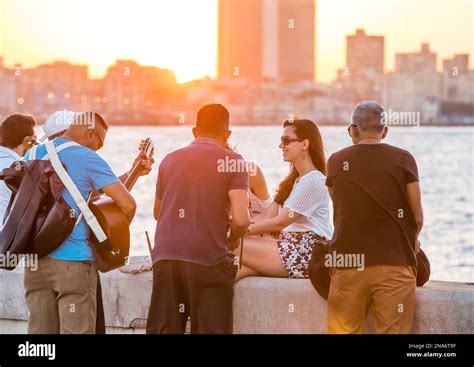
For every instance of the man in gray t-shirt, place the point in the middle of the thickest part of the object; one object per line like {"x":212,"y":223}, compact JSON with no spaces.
{"x":199,"y":188}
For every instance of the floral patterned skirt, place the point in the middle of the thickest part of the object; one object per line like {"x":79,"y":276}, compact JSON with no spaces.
{"x":295,"y":251}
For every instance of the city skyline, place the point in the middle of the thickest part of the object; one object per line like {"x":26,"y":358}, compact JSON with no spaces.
{"x":353,"y":54}
{"x":18,"y":46}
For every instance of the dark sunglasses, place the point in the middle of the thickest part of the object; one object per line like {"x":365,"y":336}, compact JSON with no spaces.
{"x":349,"y":129}
{"x":285,"y":140}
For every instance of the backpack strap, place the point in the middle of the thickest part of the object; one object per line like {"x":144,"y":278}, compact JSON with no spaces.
{"x":33,"y":152}
{"x":76,"y":195}
{"x":58,"y":149}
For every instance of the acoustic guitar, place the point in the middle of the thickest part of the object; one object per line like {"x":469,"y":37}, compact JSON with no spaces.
{"x":113,"y":253}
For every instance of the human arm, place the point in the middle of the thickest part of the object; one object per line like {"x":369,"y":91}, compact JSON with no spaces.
{"x":414,"y":201}
{"x":274,"y":224}
{"x":240,"y":216}
{"x":122,"y":198}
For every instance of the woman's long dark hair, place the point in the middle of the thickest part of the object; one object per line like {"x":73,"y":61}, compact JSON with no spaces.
{"x":304,"y":129}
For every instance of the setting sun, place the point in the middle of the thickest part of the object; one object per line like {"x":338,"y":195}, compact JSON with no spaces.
{"x":179,"y":35}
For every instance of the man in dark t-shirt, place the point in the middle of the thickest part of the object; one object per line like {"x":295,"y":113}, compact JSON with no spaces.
{"x":199,"y":187}
{"x":377,"y":219}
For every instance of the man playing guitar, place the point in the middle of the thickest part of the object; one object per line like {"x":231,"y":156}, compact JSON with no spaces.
{"x":61,"y":294}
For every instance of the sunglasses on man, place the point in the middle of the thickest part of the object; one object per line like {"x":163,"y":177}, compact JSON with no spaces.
{"x":349,"y":129}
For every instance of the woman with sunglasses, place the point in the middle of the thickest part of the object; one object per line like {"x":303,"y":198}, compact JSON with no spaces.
{"x":299,"y":212}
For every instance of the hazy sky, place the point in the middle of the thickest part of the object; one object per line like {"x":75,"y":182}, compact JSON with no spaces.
{"x":182,"y":34}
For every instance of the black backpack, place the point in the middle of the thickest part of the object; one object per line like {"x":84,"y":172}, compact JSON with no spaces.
{"x":37,"y":219}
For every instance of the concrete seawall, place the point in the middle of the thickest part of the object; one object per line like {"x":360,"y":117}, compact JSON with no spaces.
{"x":261,"y":305}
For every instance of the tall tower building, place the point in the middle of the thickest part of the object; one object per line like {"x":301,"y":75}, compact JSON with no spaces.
{"x":272,"y":39}
{"x":296,"y":40}
{"x":240,"y":39}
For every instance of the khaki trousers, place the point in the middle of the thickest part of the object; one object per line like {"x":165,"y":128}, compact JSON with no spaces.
{"x":389,"y":291}
{"x":61,"y":297}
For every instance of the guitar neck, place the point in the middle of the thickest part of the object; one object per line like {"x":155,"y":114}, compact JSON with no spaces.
{"x":133,"y":177}
{"x":147,"y":150}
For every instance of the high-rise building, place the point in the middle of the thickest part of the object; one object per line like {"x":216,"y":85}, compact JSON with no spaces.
{"x":296,"y":40}
{"x":364,"y":54}
{"x":362,"y":77}
{"x":267,"y":39}
{"x":240,"y":39}
{"x":416,"y":62}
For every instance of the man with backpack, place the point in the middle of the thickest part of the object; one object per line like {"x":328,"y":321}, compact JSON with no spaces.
{"x":61,"y":293}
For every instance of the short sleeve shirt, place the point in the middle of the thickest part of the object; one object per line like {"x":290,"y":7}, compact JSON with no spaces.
{"x":372,"y":215}
{"x":193,"y":187}
{"x":89,"y":171}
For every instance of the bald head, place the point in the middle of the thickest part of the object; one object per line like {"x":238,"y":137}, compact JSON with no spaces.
{"x":88,"y":129}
